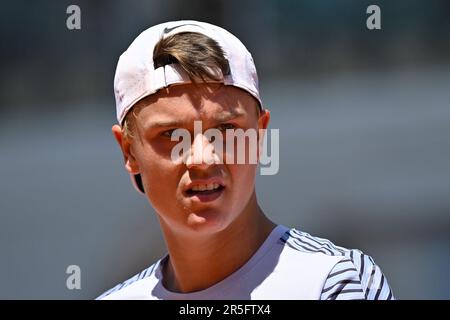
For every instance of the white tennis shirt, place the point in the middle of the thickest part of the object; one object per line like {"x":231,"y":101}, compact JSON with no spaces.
{"x":290,"y":264}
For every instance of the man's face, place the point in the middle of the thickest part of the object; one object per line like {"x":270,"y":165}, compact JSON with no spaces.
{"x":175,"y":188}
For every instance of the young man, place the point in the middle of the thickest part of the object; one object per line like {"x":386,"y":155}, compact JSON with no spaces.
{"x":221,"y":245}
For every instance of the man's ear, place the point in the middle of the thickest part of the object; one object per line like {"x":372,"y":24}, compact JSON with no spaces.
{"x":264,"y":119}
{"x":263,"y":123}
{"x":125,"y":145}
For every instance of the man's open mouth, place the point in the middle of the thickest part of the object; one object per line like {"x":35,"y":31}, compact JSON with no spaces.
{"x":204,"y":189}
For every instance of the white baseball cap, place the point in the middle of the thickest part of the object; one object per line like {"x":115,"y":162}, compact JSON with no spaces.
{"x":136,"y":76}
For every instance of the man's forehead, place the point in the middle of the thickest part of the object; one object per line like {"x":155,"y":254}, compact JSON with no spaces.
{"x":198,"y":93}
{"x":214,"y":102}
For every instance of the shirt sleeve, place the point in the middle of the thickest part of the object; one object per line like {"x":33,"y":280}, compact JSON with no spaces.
{"x":356,"y":277}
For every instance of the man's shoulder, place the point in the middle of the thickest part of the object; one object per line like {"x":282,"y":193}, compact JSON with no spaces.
{"x":354,"y":275}
{"x":131,"y":286}
{"x":305,"y":242}
{"x":325,"y":250}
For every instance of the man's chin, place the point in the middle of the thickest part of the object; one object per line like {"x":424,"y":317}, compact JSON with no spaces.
{"x":207,"y":221}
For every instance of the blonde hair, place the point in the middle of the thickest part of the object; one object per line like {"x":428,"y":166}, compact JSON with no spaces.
{"x":199,"y":56}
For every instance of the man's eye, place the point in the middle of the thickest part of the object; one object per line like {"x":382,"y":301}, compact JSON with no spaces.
{"x":168,"y":133}
{"x":226,"y":126}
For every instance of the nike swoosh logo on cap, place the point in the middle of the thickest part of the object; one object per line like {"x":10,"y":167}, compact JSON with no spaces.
{"x":167,"y":30}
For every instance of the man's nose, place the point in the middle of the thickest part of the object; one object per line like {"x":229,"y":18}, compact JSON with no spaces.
{"x":201,"y":153}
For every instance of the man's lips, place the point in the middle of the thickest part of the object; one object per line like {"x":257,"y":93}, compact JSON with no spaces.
{"x":205,"y":189}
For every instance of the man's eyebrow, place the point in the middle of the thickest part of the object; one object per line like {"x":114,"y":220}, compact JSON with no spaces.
{"x":222,"y":117}
{"x":227,"y":116}
{"x":163,"y":124}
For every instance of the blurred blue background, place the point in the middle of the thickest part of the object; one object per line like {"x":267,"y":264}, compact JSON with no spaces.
{"x":364,"y":119}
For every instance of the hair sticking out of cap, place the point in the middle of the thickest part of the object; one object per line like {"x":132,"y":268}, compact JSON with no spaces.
{"x":201,"y":57}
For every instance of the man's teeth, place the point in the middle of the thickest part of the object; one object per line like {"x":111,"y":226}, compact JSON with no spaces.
{"x":204,"y":187}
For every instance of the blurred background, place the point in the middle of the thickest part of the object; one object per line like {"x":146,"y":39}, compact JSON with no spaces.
{"x":364,"y":119}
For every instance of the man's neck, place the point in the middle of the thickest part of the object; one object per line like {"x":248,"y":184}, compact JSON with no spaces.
{"x":195,"y":264}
